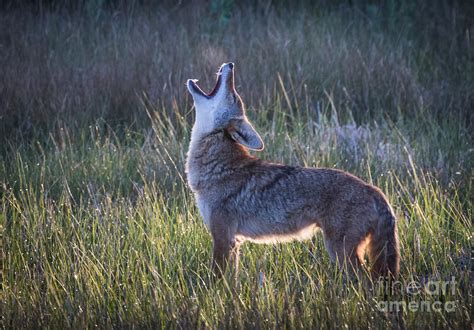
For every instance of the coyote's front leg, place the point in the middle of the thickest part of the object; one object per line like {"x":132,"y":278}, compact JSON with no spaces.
{"x":225,"y":252}
{"x":226,"y":248}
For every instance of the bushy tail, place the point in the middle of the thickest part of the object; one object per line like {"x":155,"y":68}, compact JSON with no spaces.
{"x":383,"y":248}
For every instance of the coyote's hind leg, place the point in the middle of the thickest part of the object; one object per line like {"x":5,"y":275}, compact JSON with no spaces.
{"x":329,"y":247}
{"x":346,"y":251}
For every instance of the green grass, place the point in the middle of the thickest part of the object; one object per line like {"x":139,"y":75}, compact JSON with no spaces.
{"x":98,"y":225}
{"x":102,"y":230}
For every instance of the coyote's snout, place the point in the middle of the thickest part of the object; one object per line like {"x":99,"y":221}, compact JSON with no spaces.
{"x":243,"y":198}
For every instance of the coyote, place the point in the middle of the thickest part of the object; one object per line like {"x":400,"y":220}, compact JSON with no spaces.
{"x":243,"y":198}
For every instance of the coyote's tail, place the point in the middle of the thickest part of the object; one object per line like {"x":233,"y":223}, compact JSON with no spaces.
{"x":383,"y":248}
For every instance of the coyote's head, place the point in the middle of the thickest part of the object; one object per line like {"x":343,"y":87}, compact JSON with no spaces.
{"x":223,"y":109}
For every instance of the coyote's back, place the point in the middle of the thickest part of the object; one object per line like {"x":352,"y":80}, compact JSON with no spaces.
{"x":243,"y":198}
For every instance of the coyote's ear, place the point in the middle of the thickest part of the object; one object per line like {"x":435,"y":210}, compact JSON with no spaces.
{"x":195,"y":91}
{"x":243,"y":132}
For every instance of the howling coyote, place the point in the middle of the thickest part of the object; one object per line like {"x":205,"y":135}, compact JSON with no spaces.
{"x":243,"y":198}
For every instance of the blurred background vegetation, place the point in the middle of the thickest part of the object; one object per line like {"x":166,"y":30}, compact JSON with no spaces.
{"x":69,"y":63}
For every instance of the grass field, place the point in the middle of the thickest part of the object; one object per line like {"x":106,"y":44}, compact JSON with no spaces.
{"x":98,"y":225}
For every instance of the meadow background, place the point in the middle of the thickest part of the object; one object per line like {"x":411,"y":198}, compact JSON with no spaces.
{"x":98,"y":226}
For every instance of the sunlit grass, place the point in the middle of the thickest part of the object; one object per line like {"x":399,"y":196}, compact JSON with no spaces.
{"x":102,"y":230}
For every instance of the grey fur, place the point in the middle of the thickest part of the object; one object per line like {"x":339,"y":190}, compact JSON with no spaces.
{"x":243,"y":198}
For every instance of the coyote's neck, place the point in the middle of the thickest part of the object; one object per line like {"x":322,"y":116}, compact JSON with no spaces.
{"x":212,"y":157}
